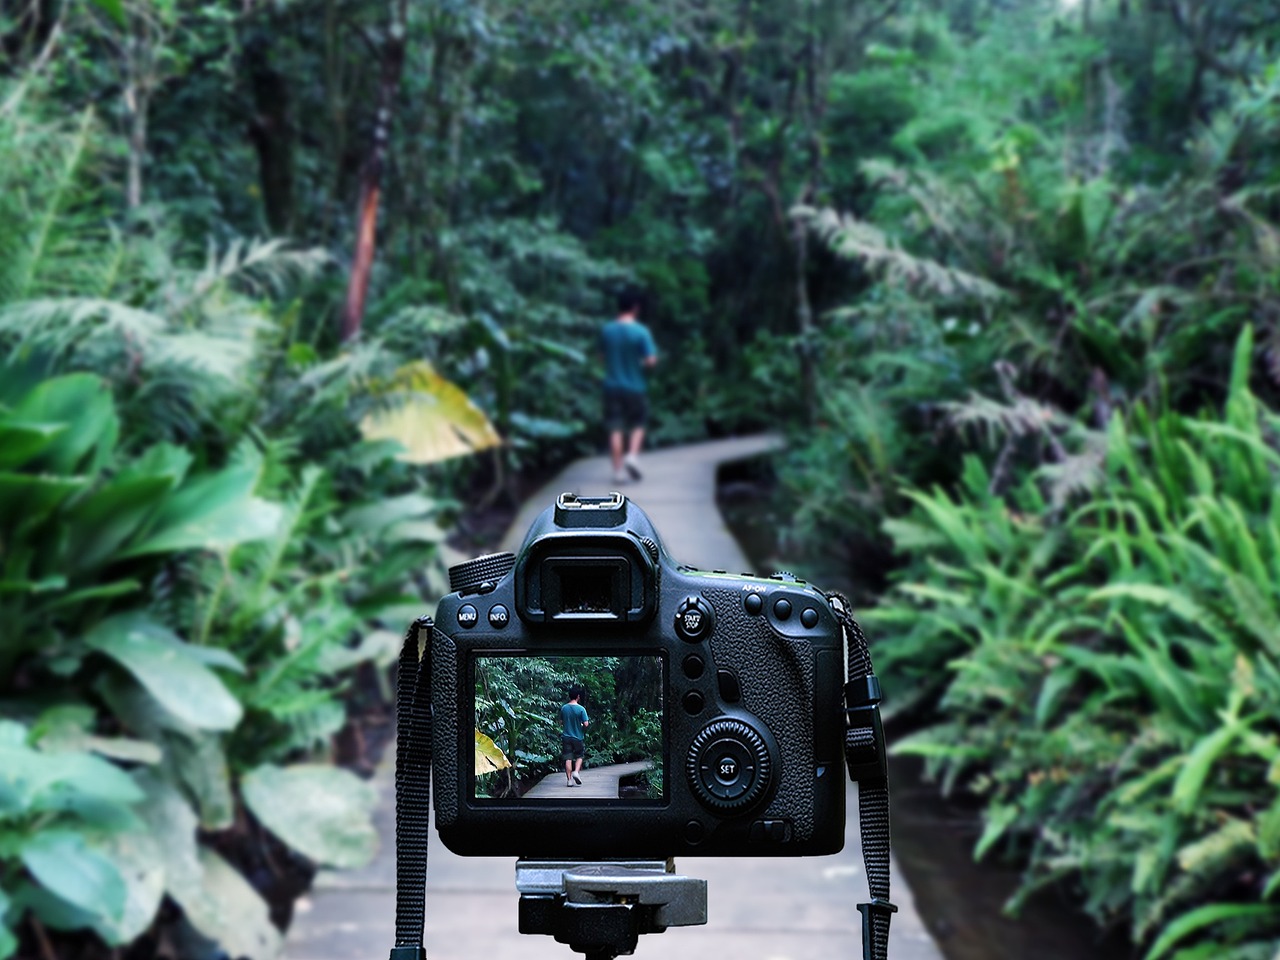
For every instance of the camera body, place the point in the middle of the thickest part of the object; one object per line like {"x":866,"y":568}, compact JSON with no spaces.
{"x":723,"y":693}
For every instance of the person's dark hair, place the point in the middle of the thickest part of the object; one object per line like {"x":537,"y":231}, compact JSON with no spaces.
{"x":575,"y":693}
{"x":629,"y":300}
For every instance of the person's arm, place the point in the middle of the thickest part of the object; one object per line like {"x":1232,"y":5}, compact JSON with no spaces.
{"x":651,"y":350}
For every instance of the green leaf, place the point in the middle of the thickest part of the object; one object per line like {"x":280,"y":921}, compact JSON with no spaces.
{"x":1202,"y":917}
{"x":65,"y":866}
{"x":224,"y":907}
{"x":216,"y":512}
{"x":84,"y":404}
{"x":136,"y":856}
{"x":22,"y":441}
{"x":999,"y":818}
{"x":320,"y":811}
{"x":112,"y":8}
{"x":169,"y":670}
{"x":1198,"y":763}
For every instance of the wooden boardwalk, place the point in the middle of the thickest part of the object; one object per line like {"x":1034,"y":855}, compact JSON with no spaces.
{"x":759,"y":908}
{"x":598,"y":783}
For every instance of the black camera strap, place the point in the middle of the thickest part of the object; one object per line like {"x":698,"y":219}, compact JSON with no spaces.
{"x":413,"y":789}
{"x":864,"y":753}
{"x":868,"y":762}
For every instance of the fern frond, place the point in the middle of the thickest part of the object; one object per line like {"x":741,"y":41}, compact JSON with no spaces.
{"x":859,"y":240}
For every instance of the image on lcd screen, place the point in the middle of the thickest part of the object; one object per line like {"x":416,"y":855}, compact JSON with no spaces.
{"x":569,"y":728}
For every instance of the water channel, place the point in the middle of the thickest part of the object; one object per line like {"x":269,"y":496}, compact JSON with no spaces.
{"x":962,"y":902}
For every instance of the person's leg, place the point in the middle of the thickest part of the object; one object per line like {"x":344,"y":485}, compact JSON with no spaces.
{"x":615,"y":451}
{"x":577,"y":769}
{"x":637,"y":417}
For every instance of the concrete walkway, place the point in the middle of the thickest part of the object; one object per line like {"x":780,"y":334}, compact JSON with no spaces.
{"x":759,"y":908}
{"x":598,"y":783}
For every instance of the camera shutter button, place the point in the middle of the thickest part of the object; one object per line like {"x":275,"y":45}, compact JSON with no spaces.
{"x":694,"y":619}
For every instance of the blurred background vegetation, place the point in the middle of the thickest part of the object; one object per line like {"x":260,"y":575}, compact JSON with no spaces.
{"x":1005,"y":271}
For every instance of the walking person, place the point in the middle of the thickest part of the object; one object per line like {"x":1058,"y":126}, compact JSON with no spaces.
{"x":573,"y":719}
{"x":629,"y":351}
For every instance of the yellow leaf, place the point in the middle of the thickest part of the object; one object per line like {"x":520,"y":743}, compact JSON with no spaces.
{"x":489,"y":756}
{"x":432,"y":418}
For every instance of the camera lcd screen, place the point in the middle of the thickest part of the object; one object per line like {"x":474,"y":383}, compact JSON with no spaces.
{"x":569,"y":728}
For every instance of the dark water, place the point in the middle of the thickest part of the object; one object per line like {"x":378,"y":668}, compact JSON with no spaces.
{"x":962,"y":902}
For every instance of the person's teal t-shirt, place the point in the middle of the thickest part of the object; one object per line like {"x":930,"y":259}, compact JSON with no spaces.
{"x":625,"y":347}
{"x":573,"y":715}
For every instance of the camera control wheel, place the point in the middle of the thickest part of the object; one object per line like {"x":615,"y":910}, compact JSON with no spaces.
{"x":471,"y":575}
{"x":729,"y":767}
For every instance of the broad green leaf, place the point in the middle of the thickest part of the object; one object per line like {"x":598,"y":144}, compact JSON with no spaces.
{"x":22,"y":441}
{"x":489,"y":756}
{"x":225,"y":908}
{"x":105,"y":519}
{"x":215,"y":512}
{"x":34,"y":781}
{"x":65,"y":865}
{"x":168,"y":669}
{"x":201,"y":764}
{"x":385,"y":512}
{"x":170,"y":819}
{"x":322,"y":812}
{"x":136,"y":856}
{"x":431,"y":418}
{"x":30,"y":498}
{"x":84,"y":403}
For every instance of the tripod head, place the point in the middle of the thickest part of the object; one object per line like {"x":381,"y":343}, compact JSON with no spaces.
{"x":600,"y":908}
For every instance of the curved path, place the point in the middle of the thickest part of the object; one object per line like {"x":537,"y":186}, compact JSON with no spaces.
{"x":759,"y":908}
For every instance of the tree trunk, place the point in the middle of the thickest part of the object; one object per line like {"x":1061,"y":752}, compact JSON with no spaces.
{"x":371,"y":175}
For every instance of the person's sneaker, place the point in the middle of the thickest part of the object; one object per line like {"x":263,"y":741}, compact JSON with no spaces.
{"x":577,"y":779}
{"x":632,"y":464}
{"x":620,"y":476}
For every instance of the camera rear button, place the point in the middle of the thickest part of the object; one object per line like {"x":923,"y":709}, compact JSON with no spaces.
{"x":693,"y":666}
{"x":693,"y":703}
{"x":498,"y":616}
{"x":467,"y":616}
{"x":782,"y":609}
{"x":753,"y":603}
{"x":810,"y":617}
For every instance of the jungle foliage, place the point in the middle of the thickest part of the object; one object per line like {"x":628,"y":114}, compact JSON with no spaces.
{"x":1005,"y":272}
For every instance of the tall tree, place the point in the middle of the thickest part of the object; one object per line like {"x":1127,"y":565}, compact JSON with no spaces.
{"x":393,"y":50}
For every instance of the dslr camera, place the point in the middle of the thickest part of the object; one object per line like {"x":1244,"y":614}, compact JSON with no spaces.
{"x":720,"y":696}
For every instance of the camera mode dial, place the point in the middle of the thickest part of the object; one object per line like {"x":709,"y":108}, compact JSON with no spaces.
{"x":728,"y":766}
{"x":470,"y":575}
